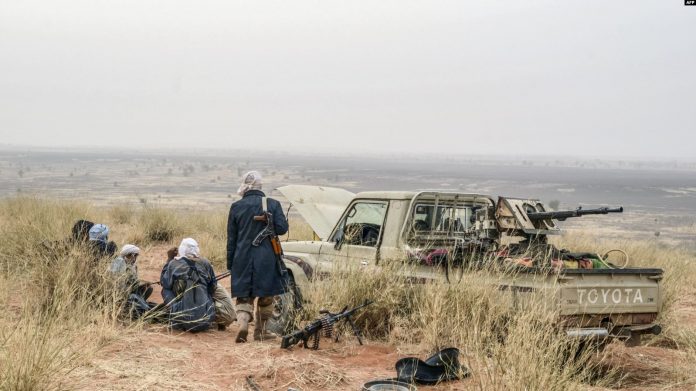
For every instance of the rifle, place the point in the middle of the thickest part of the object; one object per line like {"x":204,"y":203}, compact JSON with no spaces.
{"x":325,"y":323}
{"x":217,"y":278}
{"x":269,"y":232}
{"x":579,"y":212}
{"x":160,"y":306}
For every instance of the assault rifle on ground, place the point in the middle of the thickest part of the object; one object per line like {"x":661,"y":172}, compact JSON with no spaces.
{"x":325,"y":323}
{"x":579,"y":212}
{"x":269,"y":232}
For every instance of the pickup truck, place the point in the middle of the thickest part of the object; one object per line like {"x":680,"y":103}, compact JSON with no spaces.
{"x":422,"y":227}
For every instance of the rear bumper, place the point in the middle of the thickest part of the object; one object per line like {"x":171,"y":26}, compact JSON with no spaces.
{"x":592,"y":333}
{"x":601,"y":333}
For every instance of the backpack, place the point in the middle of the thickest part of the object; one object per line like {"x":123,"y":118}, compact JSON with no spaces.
{"x":193,"y":309}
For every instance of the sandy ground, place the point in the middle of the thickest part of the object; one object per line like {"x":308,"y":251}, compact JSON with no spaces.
{"x":157,"y":359}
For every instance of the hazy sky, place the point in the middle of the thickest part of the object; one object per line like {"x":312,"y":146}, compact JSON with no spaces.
{"x":596,"y":77}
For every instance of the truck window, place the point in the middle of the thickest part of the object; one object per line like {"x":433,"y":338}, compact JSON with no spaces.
{"x":362,"y":224}
{"x":445,"y":219}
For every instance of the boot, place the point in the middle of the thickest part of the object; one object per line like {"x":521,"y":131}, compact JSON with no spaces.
{"x":263,"y":314}
{"x":243,"y":319}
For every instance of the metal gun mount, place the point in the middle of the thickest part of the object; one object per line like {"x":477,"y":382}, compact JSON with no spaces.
{"x":512,"y":216}
{"x":530,"y":217}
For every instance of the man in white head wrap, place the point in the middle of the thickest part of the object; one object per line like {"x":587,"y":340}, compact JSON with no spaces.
{"x":250,"y":181}
{"x":176,"y":271}
{"x":189,"y":249}
{"x":257,"y":275}
{"x":99,"y":241}
{"x":125,"y":267}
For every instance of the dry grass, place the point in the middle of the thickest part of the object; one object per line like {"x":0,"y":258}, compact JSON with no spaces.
{"x":499,"y":340}
{"x":66,"y":311}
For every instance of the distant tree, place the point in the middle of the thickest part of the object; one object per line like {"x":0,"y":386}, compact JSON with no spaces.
{"x":188,"y":170}
{"x":20,"y":173}
{"x":115,"y":184}
{"x":554,"y":204}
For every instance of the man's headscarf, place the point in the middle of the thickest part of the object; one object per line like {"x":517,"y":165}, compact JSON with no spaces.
{"x":99,"y":233}
{"x":189,"y":249}
{"x":129,"y":249}
{"x":250,"y":181}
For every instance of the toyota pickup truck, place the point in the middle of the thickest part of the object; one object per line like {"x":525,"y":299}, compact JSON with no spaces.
{"x":427,"y":228}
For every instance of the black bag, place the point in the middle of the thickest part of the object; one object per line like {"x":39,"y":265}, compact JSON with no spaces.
{"x":443,"y":366}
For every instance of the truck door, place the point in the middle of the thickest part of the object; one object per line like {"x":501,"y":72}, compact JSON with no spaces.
{"x":355,"y":240}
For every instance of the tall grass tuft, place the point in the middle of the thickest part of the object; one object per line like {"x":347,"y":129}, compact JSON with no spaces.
{"x":159,"y":225}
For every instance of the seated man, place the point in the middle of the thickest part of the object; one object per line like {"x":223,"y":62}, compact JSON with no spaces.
{"x":125,"y":268}
{"x":80,"y":231}
{"x":99,"y":241}
{"x":224,"y":309}
{"x":190,"y":290}
{"x":79,"y":236}
{"x":225,"y":314}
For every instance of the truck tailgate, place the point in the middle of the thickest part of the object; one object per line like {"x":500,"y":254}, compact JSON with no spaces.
{"x":609,"y":291}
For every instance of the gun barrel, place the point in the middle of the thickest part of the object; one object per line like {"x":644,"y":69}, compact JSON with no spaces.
{"x":353,"y":310}
{"x":222,"y":275}
{"x":564,"y":214}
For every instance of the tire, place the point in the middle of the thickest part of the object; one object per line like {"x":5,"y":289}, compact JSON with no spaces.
{"x":285,"y":309}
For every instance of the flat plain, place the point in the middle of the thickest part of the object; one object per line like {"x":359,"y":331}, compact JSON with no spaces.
{"x":659,"y":197}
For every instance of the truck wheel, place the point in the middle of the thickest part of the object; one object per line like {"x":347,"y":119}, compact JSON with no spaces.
{"x":285,"y":309}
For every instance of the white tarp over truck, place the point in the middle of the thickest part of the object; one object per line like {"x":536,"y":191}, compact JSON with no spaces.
{"x":320,"y":206}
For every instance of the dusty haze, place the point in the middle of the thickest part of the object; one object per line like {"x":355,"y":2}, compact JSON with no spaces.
{"x":594,"y":77}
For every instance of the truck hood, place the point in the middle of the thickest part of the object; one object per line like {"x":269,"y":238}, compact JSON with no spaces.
{"x":320,"y":206}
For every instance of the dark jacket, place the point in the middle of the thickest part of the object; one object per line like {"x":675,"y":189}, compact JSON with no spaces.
{"x":254,"y":270}
{"x":177,"y":269}
{"x":102,"y":249}
{"x":193,"y":282}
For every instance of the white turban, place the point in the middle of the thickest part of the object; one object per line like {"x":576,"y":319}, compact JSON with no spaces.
{"x":189,"y":249}
{"x":129,"y":249}
{"x":250,"y":181}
